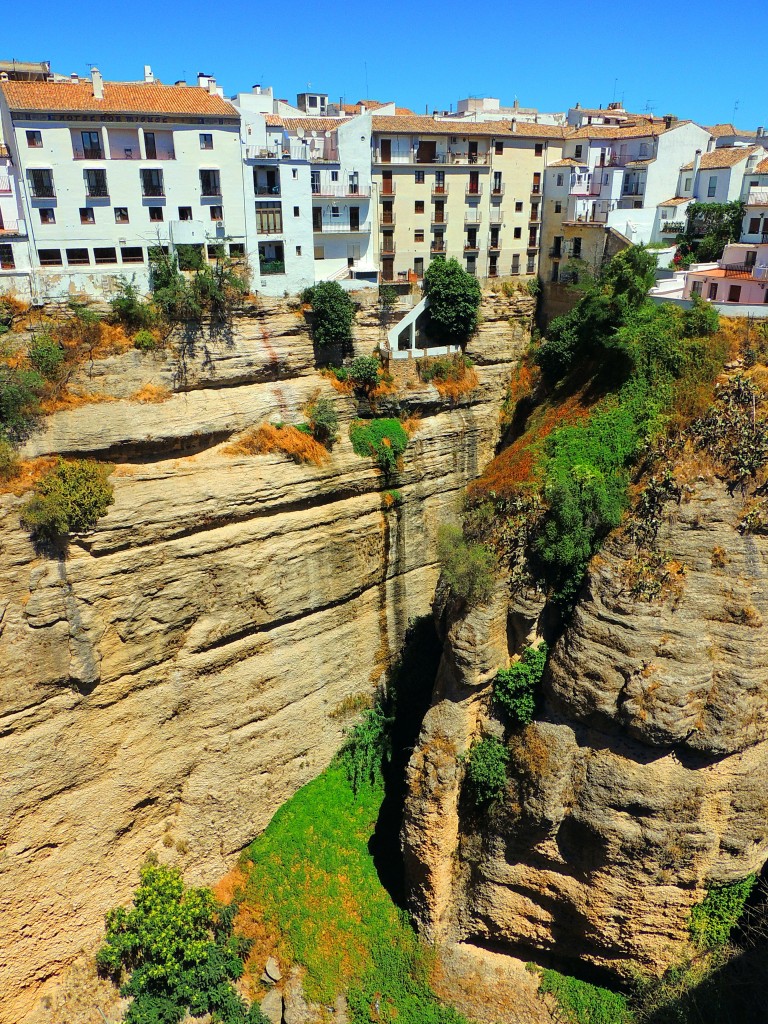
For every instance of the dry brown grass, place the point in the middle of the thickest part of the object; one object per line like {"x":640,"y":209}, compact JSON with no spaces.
{"x":344,"y":387}
{"x":64,"y":400}
{"x":411,"y":423}
{"x":454,"y":389}
{"x":151,"y":394}
{"x":27,"y":476}
{"x":288,"y":440}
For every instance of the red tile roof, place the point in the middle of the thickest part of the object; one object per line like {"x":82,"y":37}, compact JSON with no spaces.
{"x":119,"y":97}
{"x":307,"y":124}
{"x":421,"y":124}
{"x":726,"y":156}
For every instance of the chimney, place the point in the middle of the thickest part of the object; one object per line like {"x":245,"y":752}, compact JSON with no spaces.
{"x":670,"y":120}
{"x":514,"y":126}
{"x":760,"y":132}
{"x":148,"y":76}
{"x":74,"y":77}
{"x":362,"y":108}
{"x":212,"y":86}
{"x":696,"y":163}
{"x":98,"y":84}
{"x":257,"y":89}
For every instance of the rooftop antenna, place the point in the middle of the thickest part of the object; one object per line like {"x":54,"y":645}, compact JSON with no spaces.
{"x":615,"y":83}
{"x":365,"y":65}
{"x":735,"y":108}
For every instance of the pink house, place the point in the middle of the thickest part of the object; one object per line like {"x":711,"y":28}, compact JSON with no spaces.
{"x":740,"y":277}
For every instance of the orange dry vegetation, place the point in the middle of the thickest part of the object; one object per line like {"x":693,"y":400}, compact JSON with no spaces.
{"x":28,"y":475}
{"x":454,"y":389}
{"x":64,"y":400}
{"x":517,"y":467}
{"x":267,"y":438}
{"x":344,"y":387}
{"x":151,"y":393}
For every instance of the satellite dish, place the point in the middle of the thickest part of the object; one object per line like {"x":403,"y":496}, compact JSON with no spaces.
{"x":300,"y":133}
{"x":314,"y":135}
{"x":328,"y":134}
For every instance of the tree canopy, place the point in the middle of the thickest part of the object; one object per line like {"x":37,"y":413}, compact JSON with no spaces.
{"x":454,"y":300}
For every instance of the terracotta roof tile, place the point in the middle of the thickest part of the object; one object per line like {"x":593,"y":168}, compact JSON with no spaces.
{"x":307,"y":124}
{"x":762,"y":167}
{"x":119,"y":97}
{"x":676,"y":201}
{"x":726,"y":156}
{"x":717,"y":131}
{"x":638,"y":130}
{"x":567,"y":162}
{"x":421,"y":124}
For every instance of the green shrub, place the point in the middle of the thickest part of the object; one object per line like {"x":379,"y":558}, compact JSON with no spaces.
{"x":323,"y":420}
{"x":712,"y":921}
{"x":20,"y":391}
{"x":468,"y":568}
{"x":364,"y":371}
{"x":144,"y":341}
{"x":533,"y":287}
{"x":177,"y":947}
{"x":131,"y":309}
{"x":701,"y":320}
{"x":368,"y":749}
{"x":190,"y":257}
{"x":583,"y":1003}
{"x":46,"y":356}
{"x":454,"y":300}
{"x":70,"y":498}
{"x":9,"y":460}
{"x":514,"y":688}
{"x":333,"y":313}
{"x":486,"y":770}
{"x":384,"y":440}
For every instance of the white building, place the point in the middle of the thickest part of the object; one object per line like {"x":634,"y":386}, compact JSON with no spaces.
{"x":107,"y":170}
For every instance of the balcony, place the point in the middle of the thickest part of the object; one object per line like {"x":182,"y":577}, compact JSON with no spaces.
{"x":153,"y":191}
{"x":451,"y":157}
{"x":497,"y":191}
{"x":328,"y":156}
{"x":495,"y":217}
{"x":95,"y":190}
{"x":472,"y":216}
{"x":494,"y":243}
{"x":438,"y":246}
{"x":342,"y":228}
{"x":210,"y":191}
{"x":471,"y":245}
{"x":388,"y":190}
{"x":757,"y":197}
{"x":388,"y":220}
{"x":672,"y":227}
{"x":633,"y":190}
{"x":387,"y":248}
{"x":555,"y":252}
{"x":473,"y":191}
{"x":89,"y":154}
{"x":5,"y":185}
{"x":739,"y":270}
{"x":440,"y":221}
{"x":335,"y":191}
{"x":534,"y":217}
{"x":265,"y":153}
{"x":439,"y":190}
{"x":536,"y":189}
{"x":12,"y":227}
{"x":42,"y":191}
{"x":267,"y":190}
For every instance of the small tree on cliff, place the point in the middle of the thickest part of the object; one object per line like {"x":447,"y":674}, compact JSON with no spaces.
{"x":333,"y":313}
{"x":454,"y":300}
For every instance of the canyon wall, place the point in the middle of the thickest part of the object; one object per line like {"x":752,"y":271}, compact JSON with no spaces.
{"x":643,"y":779}
{"x":197,"y":657}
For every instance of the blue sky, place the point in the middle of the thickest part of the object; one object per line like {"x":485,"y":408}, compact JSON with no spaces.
{"x":680,"y":58}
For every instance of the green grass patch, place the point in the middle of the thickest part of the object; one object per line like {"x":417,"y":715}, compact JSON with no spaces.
{"x":383,"y":439}
{"x":582,"y":1003}
{"x":315,"y":880}
{"x":713,"y":920}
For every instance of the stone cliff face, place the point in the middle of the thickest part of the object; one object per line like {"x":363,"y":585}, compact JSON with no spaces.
{"x":197,"y":657}
{"x":644,"y":778}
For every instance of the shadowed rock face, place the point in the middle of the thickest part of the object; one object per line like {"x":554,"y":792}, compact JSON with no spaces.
{"x":645,"y":778}
{"x":197,"y":657}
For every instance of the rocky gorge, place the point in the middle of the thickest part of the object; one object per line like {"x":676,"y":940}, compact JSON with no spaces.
{"x":197,"y":657}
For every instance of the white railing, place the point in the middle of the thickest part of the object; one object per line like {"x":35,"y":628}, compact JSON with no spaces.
{"x":337,"y":191}
{"x":5,"y":184}
{"x":757,"y":197}
{"x":342,"y":228}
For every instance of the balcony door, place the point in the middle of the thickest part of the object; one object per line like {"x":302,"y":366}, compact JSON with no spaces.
{"x":354,"y":218}
{"x":386,"y":153}
{"x":472,"y":149}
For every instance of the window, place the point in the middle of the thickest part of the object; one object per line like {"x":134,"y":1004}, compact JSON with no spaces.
{"x":91,"y":145}
{"x":269,"y":218}
{"x":558,"y":207}
{"x":419,"y":177}
{"x":499,"y":147}
{"x":294,"y":172}
{"x":335,"y":211}
{"x":296,"y":211}
{"x":319,"y":252}
{"x":104,"y":255}
{"x":559,"y":181}
{"x":78,"y":257}
{"x":206,"y":140}
{"x":217,"y":213}
{"x":518,"y":232}
{"x":577,"y":153}
{"x":35,"y":140}
{"x":312,"y":101}
{"x":418,"y":206}
{"x":48,"y":215}
{"x":637,"y":204}
{"x":121,"y":215}
{"x":577,"y":248}
{"x":41,"y":184}
{"x":418,"y":266}
{"x":518,"y":207}
{"x":734,"y":293}
{"x":712,"y":187}
{"x":49,"y":257}
{"x":132,"y":254}
{"x":215,"y":251}
{"x":687,"y":185}
{"x":712,"y":292}
{"x":418,"y":236}
{"x":334,"y":175}
{"x":538,"y":149}
{"x":96,"y":184}
{"x":696,"y":287}
{"x":754,"y":225}
{"x":185,"y":213}
{"x":497,"y":187}
{"x":298,"y":250}
{"x":7,"y":261}
{"x":536,"y":183}
{"x":555,"y":272}
{"x":150,"y":147}
{"x":155,"y":213}
{"x":209,"y":183}
{"x":152,"y":183}
{"x":516,"y":264}
{"x":531,"y":265}
{"x":236,"y":250}
{"x":87,"y":215}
